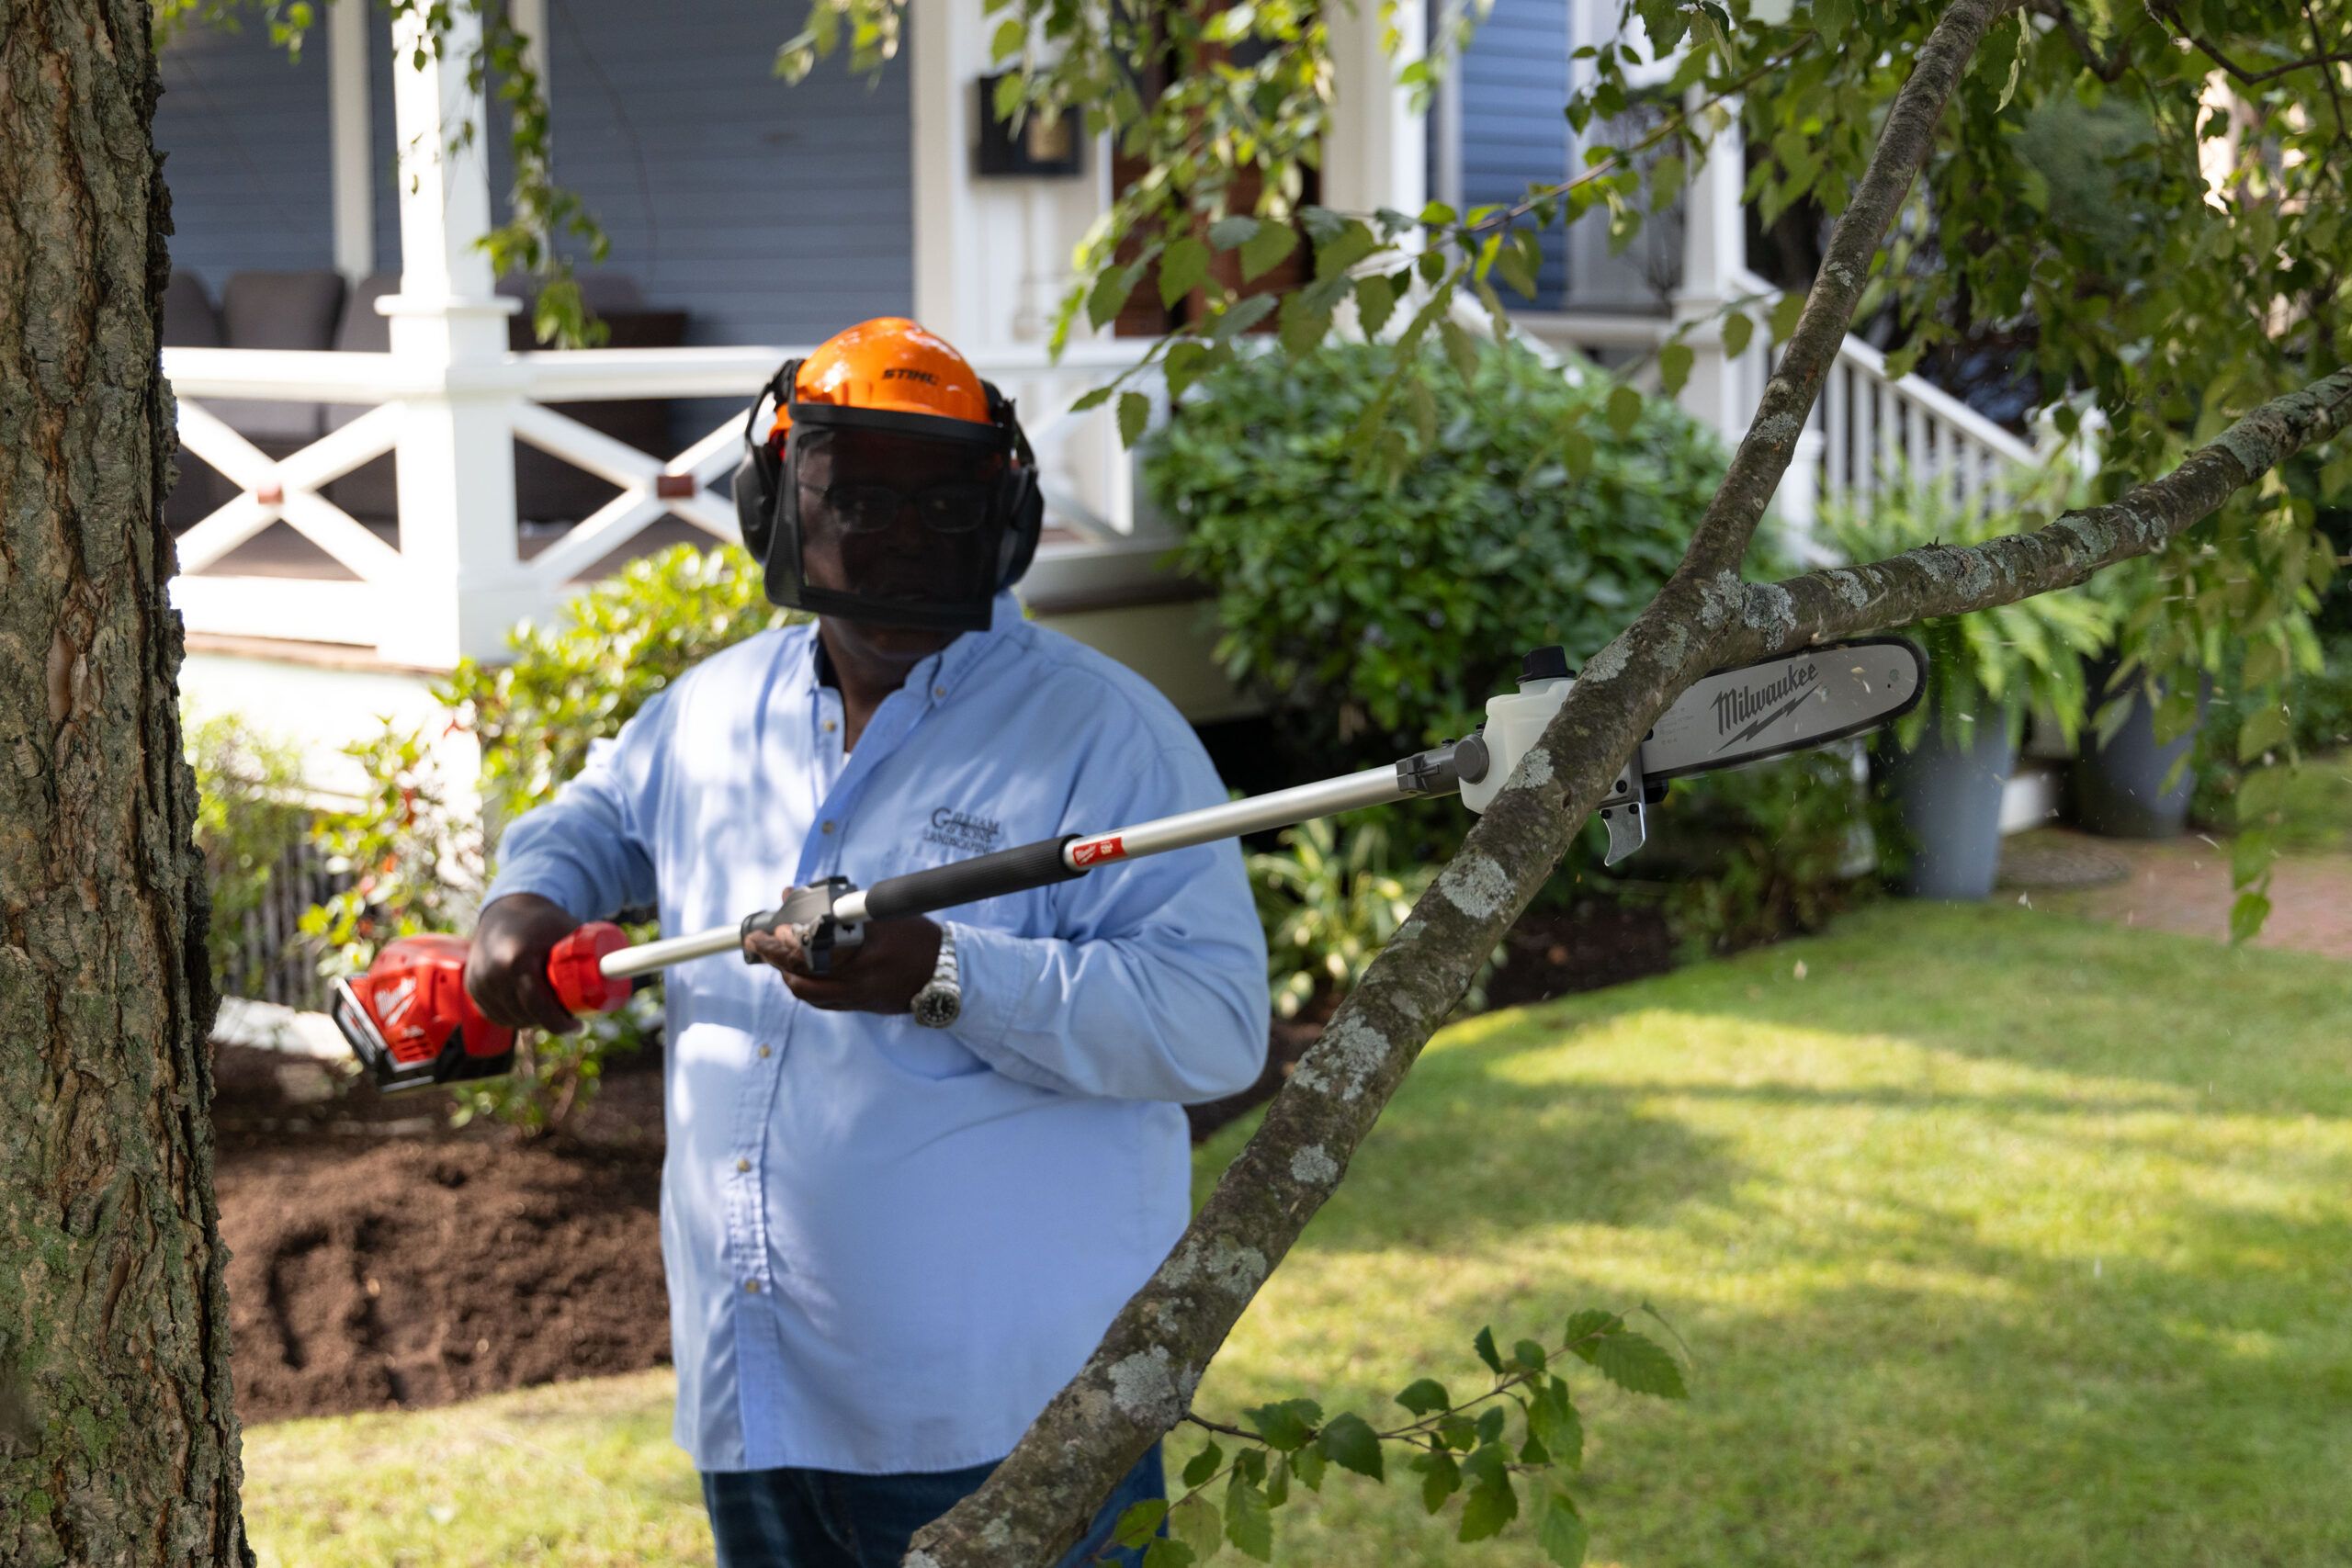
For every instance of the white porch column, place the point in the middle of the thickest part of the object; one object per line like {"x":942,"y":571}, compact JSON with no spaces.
{"x":351,"y":159}
{"x":947,"y":46}
{"x":1377,"y":153}
{"x":1715,"y":252}
{"x":457,"y":452}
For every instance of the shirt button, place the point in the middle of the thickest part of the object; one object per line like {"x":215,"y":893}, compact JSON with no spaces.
{"x":828,"y":827}
{"x":765,"y":1051}
{"x":830,"y":727}
{"x":742,"y":1164}
{"x":751,"y":1287}
{"x":939,"y":691}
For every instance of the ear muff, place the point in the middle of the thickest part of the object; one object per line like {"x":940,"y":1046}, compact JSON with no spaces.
{"x":759,"y":477}
{"x":1019,"y":503}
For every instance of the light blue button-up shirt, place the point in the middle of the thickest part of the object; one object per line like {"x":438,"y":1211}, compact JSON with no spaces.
{"x":887,"y":1247}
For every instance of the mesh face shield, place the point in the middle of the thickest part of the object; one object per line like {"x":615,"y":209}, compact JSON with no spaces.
{"x":891,"y":526}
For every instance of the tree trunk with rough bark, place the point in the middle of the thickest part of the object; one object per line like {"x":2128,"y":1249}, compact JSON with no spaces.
{"x":119,"y":1442}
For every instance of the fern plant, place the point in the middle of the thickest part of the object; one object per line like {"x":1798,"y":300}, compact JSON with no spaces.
{"x":2002,"y":662}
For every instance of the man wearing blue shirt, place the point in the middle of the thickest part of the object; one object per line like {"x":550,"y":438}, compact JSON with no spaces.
{"x":888,"y":1244}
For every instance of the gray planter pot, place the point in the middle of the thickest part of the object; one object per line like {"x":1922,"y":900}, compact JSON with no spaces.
{"x":2119,"y":788}
{"x":1948,"y":799}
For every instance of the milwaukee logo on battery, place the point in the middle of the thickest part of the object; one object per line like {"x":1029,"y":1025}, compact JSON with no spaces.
{"x":1774,"y":701}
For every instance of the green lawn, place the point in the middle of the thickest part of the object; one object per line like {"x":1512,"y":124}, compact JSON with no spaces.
{"x":1997,"y":1238}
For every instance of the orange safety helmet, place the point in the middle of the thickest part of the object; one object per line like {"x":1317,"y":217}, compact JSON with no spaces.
{"x":889,"y":363}
{"x":878,"y":382}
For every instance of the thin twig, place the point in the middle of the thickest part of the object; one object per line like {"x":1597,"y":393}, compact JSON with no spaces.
{"x":2171,"y":17}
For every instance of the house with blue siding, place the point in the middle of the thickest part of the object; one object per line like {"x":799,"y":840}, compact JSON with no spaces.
{"x":383,"y":472}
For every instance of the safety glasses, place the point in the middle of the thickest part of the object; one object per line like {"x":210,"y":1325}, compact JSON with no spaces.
{"x":869,"y":506}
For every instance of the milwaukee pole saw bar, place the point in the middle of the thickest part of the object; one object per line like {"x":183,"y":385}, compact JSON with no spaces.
{"x":410,"y":1020}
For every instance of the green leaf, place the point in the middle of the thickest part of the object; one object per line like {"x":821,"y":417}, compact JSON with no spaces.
{"x":1486,"y":1509}
{"x":1423,"y":1395}
{"x":1490,"y":1424}
{"x":1140,"y":1522}
{"x":1183,"y":265}
{"x":1287,"y":1425}
{"x":1241,"y":316}
{"x":1167,"y":1553}
{"x":1485,"y":1346}
{"x":1586,"y":1327}
{"x":1737,"y":330}
{"x":2247,"y":915}
{"x":1307,"y":1464}
{"x":2265,"y":729}
{"x":1109,"y":295}
{"x":1249,"y":1521}
{"x":1202,"y":1465}
{"x":1441,"y":1479}
{"x":1010,"y":34}
{"x":1135,"y":413}
{"x":1561,"y":1533}
{"x":1553,"y":1420}
{"x":1347,"y":245}
{"x":1303,"y":325}
{"x":1199,"y":1524}
{"x":1460,"y":348}
{"x":1639,"y":1365}
{"x":2016,"y":61}
{"x":1375,"y":302}
{"x":1624,"y":410}
{"x":1278,"y":1482}
{"x":1266,"y":248}
{"x":1228,"y":233}
{"x":1674,"y":367}
{"x":1351,"y":1443}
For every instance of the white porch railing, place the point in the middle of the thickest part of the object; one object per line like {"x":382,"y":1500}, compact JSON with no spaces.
{"x":1868,"y":426}
{"x":1088,"y":476}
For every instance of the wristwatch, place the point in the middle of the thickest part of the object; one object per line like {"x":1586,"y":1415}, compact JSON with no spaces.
{"x":936,"y":1005}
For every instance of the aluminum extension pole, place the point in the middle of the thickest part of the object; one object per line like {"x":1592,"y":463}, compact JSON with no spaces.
{"x":1434,"y":773}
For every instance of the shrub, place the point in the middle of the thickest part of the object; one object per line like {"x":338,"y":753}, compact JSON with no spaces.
{"x":420,"y":859}
{"x":1376,"y":619}
{"x":610,"y":649}
{"x":1379,"y":618}
{"x":249,"y":814}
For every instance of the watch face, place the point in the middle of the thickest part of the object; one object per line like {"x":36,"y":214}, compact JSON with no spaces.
{"x":936,"y":1006}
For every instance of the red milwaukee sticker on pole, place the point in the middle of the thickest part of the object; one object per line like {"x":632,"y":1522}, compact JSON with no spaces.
{"x":1094,"y":851}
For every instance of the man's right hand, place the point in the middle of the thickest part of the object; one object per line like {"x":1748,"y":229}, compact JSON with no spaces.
{"x":506,"y":967}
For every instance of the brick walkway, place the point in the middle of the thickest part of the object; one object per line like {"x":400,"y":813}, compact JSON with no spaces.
{"x":2183,"y":884}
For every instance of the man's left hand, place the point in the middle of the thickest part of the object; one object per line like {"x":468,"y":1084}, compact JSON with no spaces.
{"x":882,"y":973}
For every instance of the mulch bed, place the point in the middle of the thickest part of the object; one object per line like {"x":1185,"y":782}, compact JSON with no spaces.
{"x":381,"y":1259}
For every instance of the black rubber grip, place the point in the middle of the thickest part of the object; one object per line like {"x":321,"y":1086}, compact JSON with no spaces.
{"x":1015,"y":870}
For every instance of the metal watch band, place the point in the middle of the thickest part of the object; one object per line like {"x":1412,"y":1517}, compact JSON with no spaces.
{"x":938,"y":1003}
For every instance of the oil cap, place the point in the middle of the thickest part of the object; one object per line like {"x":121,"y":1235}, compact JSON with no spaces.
{"x":1549,"y":662}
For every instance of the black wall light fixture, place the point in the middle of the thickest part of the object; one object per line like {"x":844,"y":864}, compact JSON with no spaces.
{"x":1035,"y":150}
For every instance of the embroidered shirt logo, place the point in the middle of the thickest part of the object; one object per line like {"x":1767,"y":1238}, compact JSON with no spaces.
{"x":962,"y":831}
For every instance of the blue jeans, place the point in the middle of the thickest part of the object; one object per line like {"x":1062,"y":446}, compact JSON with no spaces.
{"x":822,"y":1518}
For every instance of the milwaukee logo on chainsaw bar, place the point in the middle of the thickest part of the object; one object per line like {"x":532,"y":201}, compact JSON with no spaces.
{"x":1774,"y":701}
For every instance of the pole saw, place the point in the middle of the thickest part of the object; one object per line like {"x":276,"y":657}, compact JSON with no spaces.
{"x":409,"y":1022}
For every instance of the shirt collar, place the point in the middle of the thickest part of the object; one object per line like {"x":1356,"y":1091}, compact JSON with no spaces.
{"x":938,"y":675}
